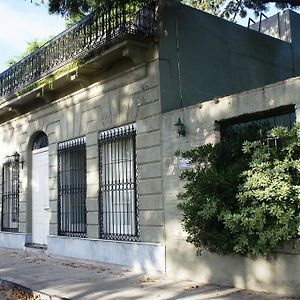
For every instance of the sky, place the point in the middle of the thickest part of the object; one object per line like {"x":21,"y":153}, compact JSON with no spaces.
{"x":21,"y":21}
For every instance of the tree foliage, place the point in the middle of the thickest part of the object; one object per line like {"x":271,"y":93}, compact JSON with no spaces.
{"x":223,"y":8}
{"x":230,"y":8}
{"x":243,"y":200}
{"x":73,"y":8}
{"x":31,"y":47}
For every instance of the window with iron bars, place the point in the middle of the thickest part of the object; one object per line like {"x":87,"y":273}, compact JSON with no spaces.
{"x":263,"y":121}
{"x":72,"y":188}
{"x":10,"y":194}
{"x":118,"y":184}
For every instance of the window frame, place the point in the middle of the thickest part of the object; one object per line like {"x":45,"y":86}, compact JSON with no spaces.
{"x":256,"y":117}
{"x":68,"y":213}
{"x":40,"y":141}
{"x":11,"y":195}
{"x":122,"y":134}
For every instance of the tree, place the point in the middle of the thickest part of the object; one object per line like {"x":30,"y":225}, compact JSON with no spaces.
{"x":72,"y":9}
{"x":223,"y":8}
{"x":230,"y":8}
{"x":31,"y":47}
{"x":243,"y":200}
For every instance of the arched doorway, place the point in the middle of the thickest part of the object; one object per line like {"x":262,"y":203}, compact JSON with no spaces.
{"x":40,"y":189}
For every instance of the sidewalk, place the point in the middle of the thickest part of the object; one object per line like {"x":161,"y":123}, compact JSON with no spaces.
{"x":66,"y":278}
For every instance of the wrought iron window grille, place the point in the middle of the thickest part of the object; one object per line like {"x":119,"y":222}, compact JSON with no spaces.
{"x":72,"y":188}
{"x":284,"y":116}
{"x":114,"y":20}
{"x":118,"y":195}
{"x":10,"y":193}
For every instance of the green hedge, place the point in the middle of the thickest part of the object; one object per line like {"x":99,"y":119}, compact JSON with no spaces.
{"x":243,"y":199}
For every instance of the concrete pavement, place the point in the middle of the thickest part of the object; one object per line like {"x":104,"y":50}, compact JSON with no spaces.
{"x":58,"y":278}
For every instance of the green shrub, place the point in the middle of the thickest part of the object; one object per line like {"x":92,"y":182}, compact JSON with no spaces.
{"x":243,"y":200}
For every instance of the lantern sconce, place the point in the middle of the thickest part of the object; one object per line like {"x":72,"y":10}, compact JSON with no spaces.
{"x":18,"y":159}
{"x":180,"y":128}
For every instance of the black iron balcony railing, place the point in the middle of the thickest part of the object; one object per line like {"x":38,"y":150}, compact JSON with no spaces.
{"x":116,"y":19}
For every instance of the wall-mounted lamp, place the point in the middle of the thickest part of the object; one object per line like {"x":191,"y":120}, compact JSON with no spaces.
{"x":18,"y":160}
{"x":180,"y":128}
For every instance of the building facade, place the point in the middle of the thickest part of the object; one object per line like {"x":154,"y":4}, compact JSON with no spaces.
{"x":88,"y":139}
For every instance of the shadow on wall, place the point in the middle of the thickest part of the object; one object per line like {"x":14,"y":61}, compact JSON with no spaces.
{"x":280,"y":273}
{"x":120,"y":97}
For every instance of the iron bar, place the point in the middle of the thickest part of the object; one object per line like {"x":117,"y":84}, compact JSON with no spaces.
{"x":285,"y":117}
{"x":72,"y":188}
{"x":10,"y":194}
{"x":118,"y":198}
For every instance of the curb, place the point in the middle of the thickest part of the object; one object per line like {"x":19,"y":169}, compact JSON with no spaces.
{"x":27,"y":293}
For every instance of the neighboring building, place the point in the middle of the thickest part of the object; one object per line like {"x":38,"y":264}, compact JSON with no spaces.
{"x":88,"y":139}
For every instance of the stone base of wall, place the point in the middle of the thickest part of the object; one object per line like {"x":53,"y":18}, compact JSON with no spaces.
{"x":144,"y":257}
{"x":279,"y":274}
{"x":14,"y":240}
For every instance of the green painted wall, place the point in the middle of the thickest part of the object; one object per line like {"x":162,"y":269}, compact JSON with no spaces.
{"x":216,"y":58}
{"x":295,"y":35}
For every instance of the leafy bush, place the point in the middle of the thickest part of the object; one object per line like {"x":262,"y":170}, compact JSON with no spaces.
{"x":243,"y":200}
